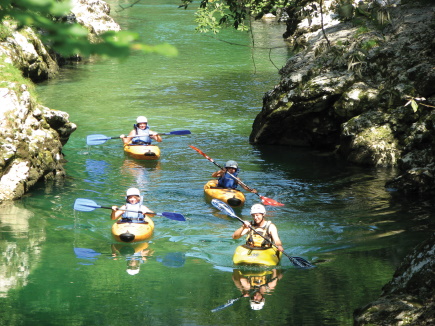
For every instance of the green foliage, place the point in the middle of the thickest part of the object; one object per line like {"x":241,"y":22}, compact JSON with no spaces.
{"x":71,"y":39}
{"x":216,"y":14}
{"x":5,"y":32}
{"x":12,"y":78}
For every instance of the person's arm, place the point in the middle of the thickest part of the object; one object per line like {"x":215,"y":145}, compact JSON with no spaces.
{"x":275,"y":238}
{"x":254,"y":191}
{"x":145,"y":210}
{"x":242,"y":230}
{"x":116,"y":213}
{"x":155,"y":136}
{"x":218,"y":174}
{"x":127,"y":139}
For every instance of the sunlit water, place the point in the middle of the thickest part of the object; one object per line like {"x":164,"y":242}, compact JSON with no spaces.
{"x":61,"y":267}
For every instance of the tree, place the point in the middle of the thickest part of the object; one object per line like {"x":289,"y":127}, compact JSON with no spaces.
{"x":49,"y":18}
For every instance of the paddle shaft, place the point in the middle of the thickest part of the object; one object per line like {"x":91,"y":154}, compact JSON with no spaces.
{"x":265,"y":200}
{"x":220,"y":167}
{"x":126,"y":210}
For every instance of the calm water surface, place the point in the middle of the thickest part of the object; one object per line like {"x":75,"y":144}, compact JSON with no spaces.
{"x":61,"y":267}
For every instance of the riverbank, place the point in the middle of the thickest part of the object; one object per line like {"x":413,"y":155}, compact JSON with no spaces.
{"x":364,"y":93}
{"x":32,"y":135}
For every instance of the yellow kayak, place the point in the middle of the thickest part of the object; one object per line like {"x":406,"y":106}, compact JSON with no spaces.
{"x":245,"y":255}
{"x":233,"y":197}
{"x":132,"y":232}
{"x":143,"y":152}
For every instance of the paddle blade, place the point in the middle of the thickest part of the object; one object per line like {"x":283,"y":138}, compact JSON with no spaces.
{"x":173,"y":216}
{"x":201,"y":152}
{"x":85,"y":205}
{"x":270,"y":201}
{"x":173,"y":259}
{"x":220,"y":205}
{"x":300,"y":262}
{"x":96,"y":139}
{"x":179,"y":132}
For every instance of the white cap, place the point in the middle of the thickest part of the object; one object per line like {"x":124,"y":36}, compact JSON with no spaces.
{"x":258,"y":208}
{"x":132,"y":271}
{"x":257,"y":305}
{"x":133,"y":192}
{"x":141,"y":119}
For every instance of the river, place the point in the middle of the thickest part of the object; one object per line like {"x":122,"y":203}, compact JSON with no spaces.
{"x":61,"y":267}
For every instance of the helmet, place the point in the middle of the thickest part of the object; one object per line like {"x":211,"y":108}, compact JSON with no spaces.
{"x":257,"y":305}
{"x":258,"y":208}
{"x":132,"y":271}
{"x":231,"y":164}
{"x":141,"y":119}
{"x":133,"y":192}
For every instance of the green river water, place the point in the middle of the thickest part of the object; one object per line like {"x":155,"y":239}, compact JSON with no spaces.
{"x":61,"y":267}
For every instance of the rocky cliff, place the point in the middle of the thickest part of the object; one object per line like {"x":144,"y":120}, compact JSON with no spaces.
{"x":364,"y":92}
{"x":409,"y":298}
{"x":32,"y":135}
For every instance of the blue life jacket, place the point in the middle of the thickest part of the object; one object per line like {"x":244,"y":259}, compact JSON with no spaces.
{"x":227,"y":181}
{"x":143,"y":136}
{"x":132,"y":216}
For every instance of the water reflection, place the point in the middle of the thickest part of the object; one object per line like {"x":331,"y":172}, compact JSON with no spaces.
{"x":134,"y":254}
{"x":20,"y":246}
{"x":255,"y":285}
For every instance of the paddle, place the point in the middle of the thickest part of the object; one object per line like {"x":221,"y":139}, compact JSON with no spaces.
{"x":264,"y":200}
{"x":296,"y":261}
{"x":229,"y":303}
{"x":88,"y":205}
{"x":101,"y":139}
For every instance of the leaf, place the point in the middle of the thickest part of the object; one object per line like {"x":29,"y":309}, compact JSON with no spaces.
{"x":414,"y":106}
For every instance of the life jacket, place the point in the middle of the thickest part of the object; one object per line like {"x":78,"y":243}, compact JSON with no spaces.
{"x":132,"y":216}
{"x":255,"y":240}
{"x":227,"y":181}
{"x":143,"y":136}
{"x":256,"y":279}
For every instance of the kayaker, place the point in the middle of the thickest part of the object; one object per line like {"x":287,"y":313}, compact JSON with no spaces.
{"x":133,"y":203}
{"x":267,"y":229}
{"x":256,"y":285}
{"x":226,"y":180}
{"x":141,"y":134}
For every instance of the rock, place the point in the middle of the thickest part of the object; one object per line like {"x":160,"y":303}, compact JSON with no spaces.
{"x":409,"y":298}
{"x":31,"y":136}
{"x":349,"y":97}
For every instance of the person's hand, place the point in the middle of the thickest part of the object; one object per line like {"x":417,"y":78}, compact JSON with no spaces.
{"x":122,"y":136}
{"x":254,"y":191}
{"x":246,"y":224}
{"x":280,"y":248}
{"x":114,"y":208}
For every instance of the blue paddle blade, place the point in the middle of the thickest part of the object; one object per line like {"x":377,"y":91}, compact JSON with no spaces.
{"x":86,"y":253}
{"x":179,"y":132}
{"x":85,"y":205}
{"x":220,"y":205}
{"x":96,"y":139}
{"x":173,"y":259}
{"x":173,"y":216}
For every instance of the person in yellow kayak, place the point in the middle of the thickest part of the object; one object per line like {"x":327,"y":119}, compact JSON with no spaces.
{"x":141,"y":134}
{"x":133,"y":210}
{"x":226,"y":180}
{"x":267,"y":229}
